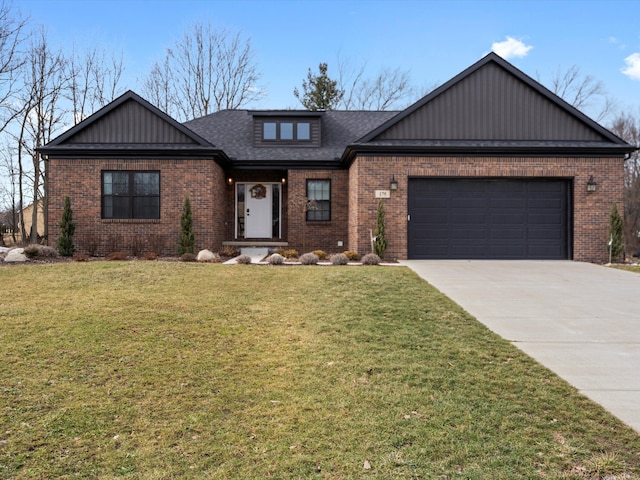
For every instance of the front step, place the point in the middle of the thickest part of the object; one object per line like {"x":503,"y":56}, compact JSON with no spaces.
{"x":247,"y":243}
{"x":256,"y":254}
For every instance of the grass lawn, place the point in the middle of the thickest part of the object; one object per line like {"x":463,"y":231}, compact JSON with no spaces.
{"x":158,"y":370}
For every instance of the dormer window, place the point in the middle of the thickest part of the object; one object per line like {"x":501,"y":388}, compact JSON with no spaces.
{"x":287,"y":128}
{"x":286,"y":131}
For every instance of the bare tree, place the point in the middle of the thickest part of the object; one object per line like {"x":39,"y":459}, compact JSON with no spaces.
{"x":204,"y":72}
{"x":627,"y":127}
{"x":158,"y":87}
{"x":45,"y":78}
{"x":94,"y":81}
{"x":582,"y":91}
{"x":11,"y":37}
{"x":388,"y":89}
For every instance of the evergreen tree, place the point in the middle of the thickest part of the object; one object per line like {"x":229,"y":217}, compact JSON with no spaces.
{"x":616,"y":234}
{"x":67,"y":229}
{"x":319,"y":91}
{"x":380,"y":242}
{"x":187,"y":240}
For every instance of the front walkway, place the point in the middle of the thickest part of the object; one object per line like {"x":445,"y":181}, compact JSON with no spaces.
{"x":580,"y":320}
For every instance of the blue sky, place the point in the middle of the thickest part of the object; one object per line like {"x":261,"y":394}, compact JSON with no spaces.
{"x":433,"y":40}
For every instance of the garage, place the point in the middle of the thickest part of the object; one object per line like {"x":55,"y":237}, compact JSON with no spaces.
{"x":489,"y":218}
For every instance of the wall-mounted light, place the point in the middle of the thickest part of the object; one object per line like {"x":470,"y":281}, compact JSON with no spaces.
{"x":393,"y":184}
{"x":591,"y":185}
{"x":229,"y":181}
{"x":284,"y":180}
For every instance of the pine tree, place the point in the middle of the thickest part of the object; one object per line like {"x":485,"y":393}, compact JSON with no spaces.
{"x":380,"y":242}
{"x":319,"y":91}
{"x":67,"y":229}
{"x":187,"y":239}
{"x":616,"y":234}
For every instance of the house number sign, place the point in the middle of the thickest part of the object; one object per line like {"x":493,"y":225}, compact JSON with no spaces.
{"x":383,"y":193}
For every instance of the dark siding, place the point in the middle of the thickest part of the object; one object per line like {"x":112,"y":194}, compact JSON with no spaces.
{"x":491,"y":104}
{"x":315,"y":124}
{"x":130,"y":123}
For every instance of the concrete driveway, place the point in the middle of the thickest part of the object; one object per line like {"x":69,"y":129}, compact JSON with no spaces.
{"x":580,"y":320}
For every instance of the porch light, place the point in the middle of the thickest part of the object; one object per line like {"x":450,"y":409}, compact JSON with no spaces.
{"x":393,"y":184}
{"x":284,"y":180}
{"x":591,"y":185}
{"x":229,"y":181}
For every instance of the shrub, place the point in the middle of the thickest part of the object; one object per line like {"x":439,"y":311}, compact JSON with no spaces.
{"x":244,"y":260}
{"x":116,"y":256}
{"x":228,"y":251}
{"x":91,"y":244}
{"x":276,"y":259}
{"x":80,"y":257}
{"x":280,"y":251}
{"x":370,"y":259}
{"x":339,"y":259}
{"x":39,"y":251}
{"x":31,"y":251}
{"x":309,"y":259}
{"x":352,"y":256}
{"x":322,"y":255}
{"x":380,"y":242}
{"x":150,"y":256}
{"x":291,"y":253}
{"x":136,"y":245}
{"x":114,"y":243}
{"x":67,"y":229}
{"x":187,"y":257}
{"x":156,"y":244}
{"x":187,"y":239}
{"x":616,"y":234}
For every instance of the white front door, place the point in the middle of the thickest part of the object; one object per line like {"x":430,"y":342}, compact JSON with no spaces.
{"x":258,"y":214}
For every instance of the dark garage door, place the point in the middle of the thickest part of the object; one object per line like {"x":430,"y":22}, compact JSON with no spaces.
{"x":488,"y":218}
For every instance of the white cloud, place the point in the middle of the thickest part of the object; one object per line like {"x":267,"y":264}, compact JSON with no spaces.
{"x":510,"y":48}
{"x":633,"y":66}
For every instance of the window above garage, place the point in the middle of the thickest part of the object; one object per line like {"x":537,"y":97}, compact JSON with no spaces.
{"x":294,"y":129}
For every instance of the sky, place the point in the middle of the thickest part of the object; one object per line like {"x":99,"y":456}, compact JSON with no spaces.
{"x":431,"y":40}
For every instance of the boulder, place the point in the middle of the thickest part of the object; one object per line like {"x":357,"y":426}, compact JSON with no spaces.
{"x":205,"y":256}
{"x":15,"y":255}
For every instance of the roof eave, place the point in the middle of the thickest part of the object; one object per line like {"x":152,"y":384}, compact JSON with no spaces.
{"x":615,"y":150}
{"x":185,"y":153}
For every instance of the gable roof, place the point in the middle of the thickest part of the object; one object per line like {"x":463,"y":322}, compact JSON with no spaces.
{"x":131,"y":126}
{"x":233,"y":131}
{"x":491,"y":107}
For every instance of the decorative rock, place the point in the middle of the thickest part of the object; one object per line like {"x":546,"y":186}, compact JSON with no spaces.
{"x":205,"y":256}
{"x":15,"y":255}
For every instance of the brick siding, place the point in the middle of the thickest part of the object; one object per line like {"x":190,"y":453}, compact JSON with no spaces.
{"x":308,"y":236}
{"x":202,"y":180}
{"x":590,"y":214}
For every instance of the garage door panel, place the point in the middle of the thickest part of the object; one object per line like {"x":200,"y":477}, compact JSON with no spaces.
{"x":500,"y":234}
{"x":489,"y":218}
{"x":468,"y":234}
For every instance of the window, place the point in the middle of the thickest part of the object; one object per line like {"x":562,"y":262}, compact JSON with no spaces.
{"x":131,"y":195}
{"x":269,"y":131}
{"x":304,"y":131}
{"x":318,"y":200}
{"x":286,"y":131}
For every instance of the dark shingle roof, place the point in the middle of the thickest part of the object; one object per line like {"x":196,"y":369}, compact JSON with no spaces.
{"x":232,"y":132}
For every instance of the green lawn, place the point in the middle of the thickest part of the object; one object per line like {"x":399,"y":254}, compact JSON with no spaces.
{"x":159,"y":370}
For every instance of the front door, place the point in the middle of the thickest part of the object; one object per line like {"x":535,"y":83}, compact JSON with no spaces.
{"x":258,"y":214}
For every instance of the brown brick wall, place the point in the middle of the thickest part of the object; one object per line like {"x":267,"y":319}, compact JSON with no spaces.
{"x":590,"y":211}
{"x":308,"y":236}
{"x":202,"y":180}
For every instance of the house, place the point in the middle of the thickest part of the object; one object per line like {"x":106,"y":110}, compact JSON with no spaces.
{"x":489,"y":165}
